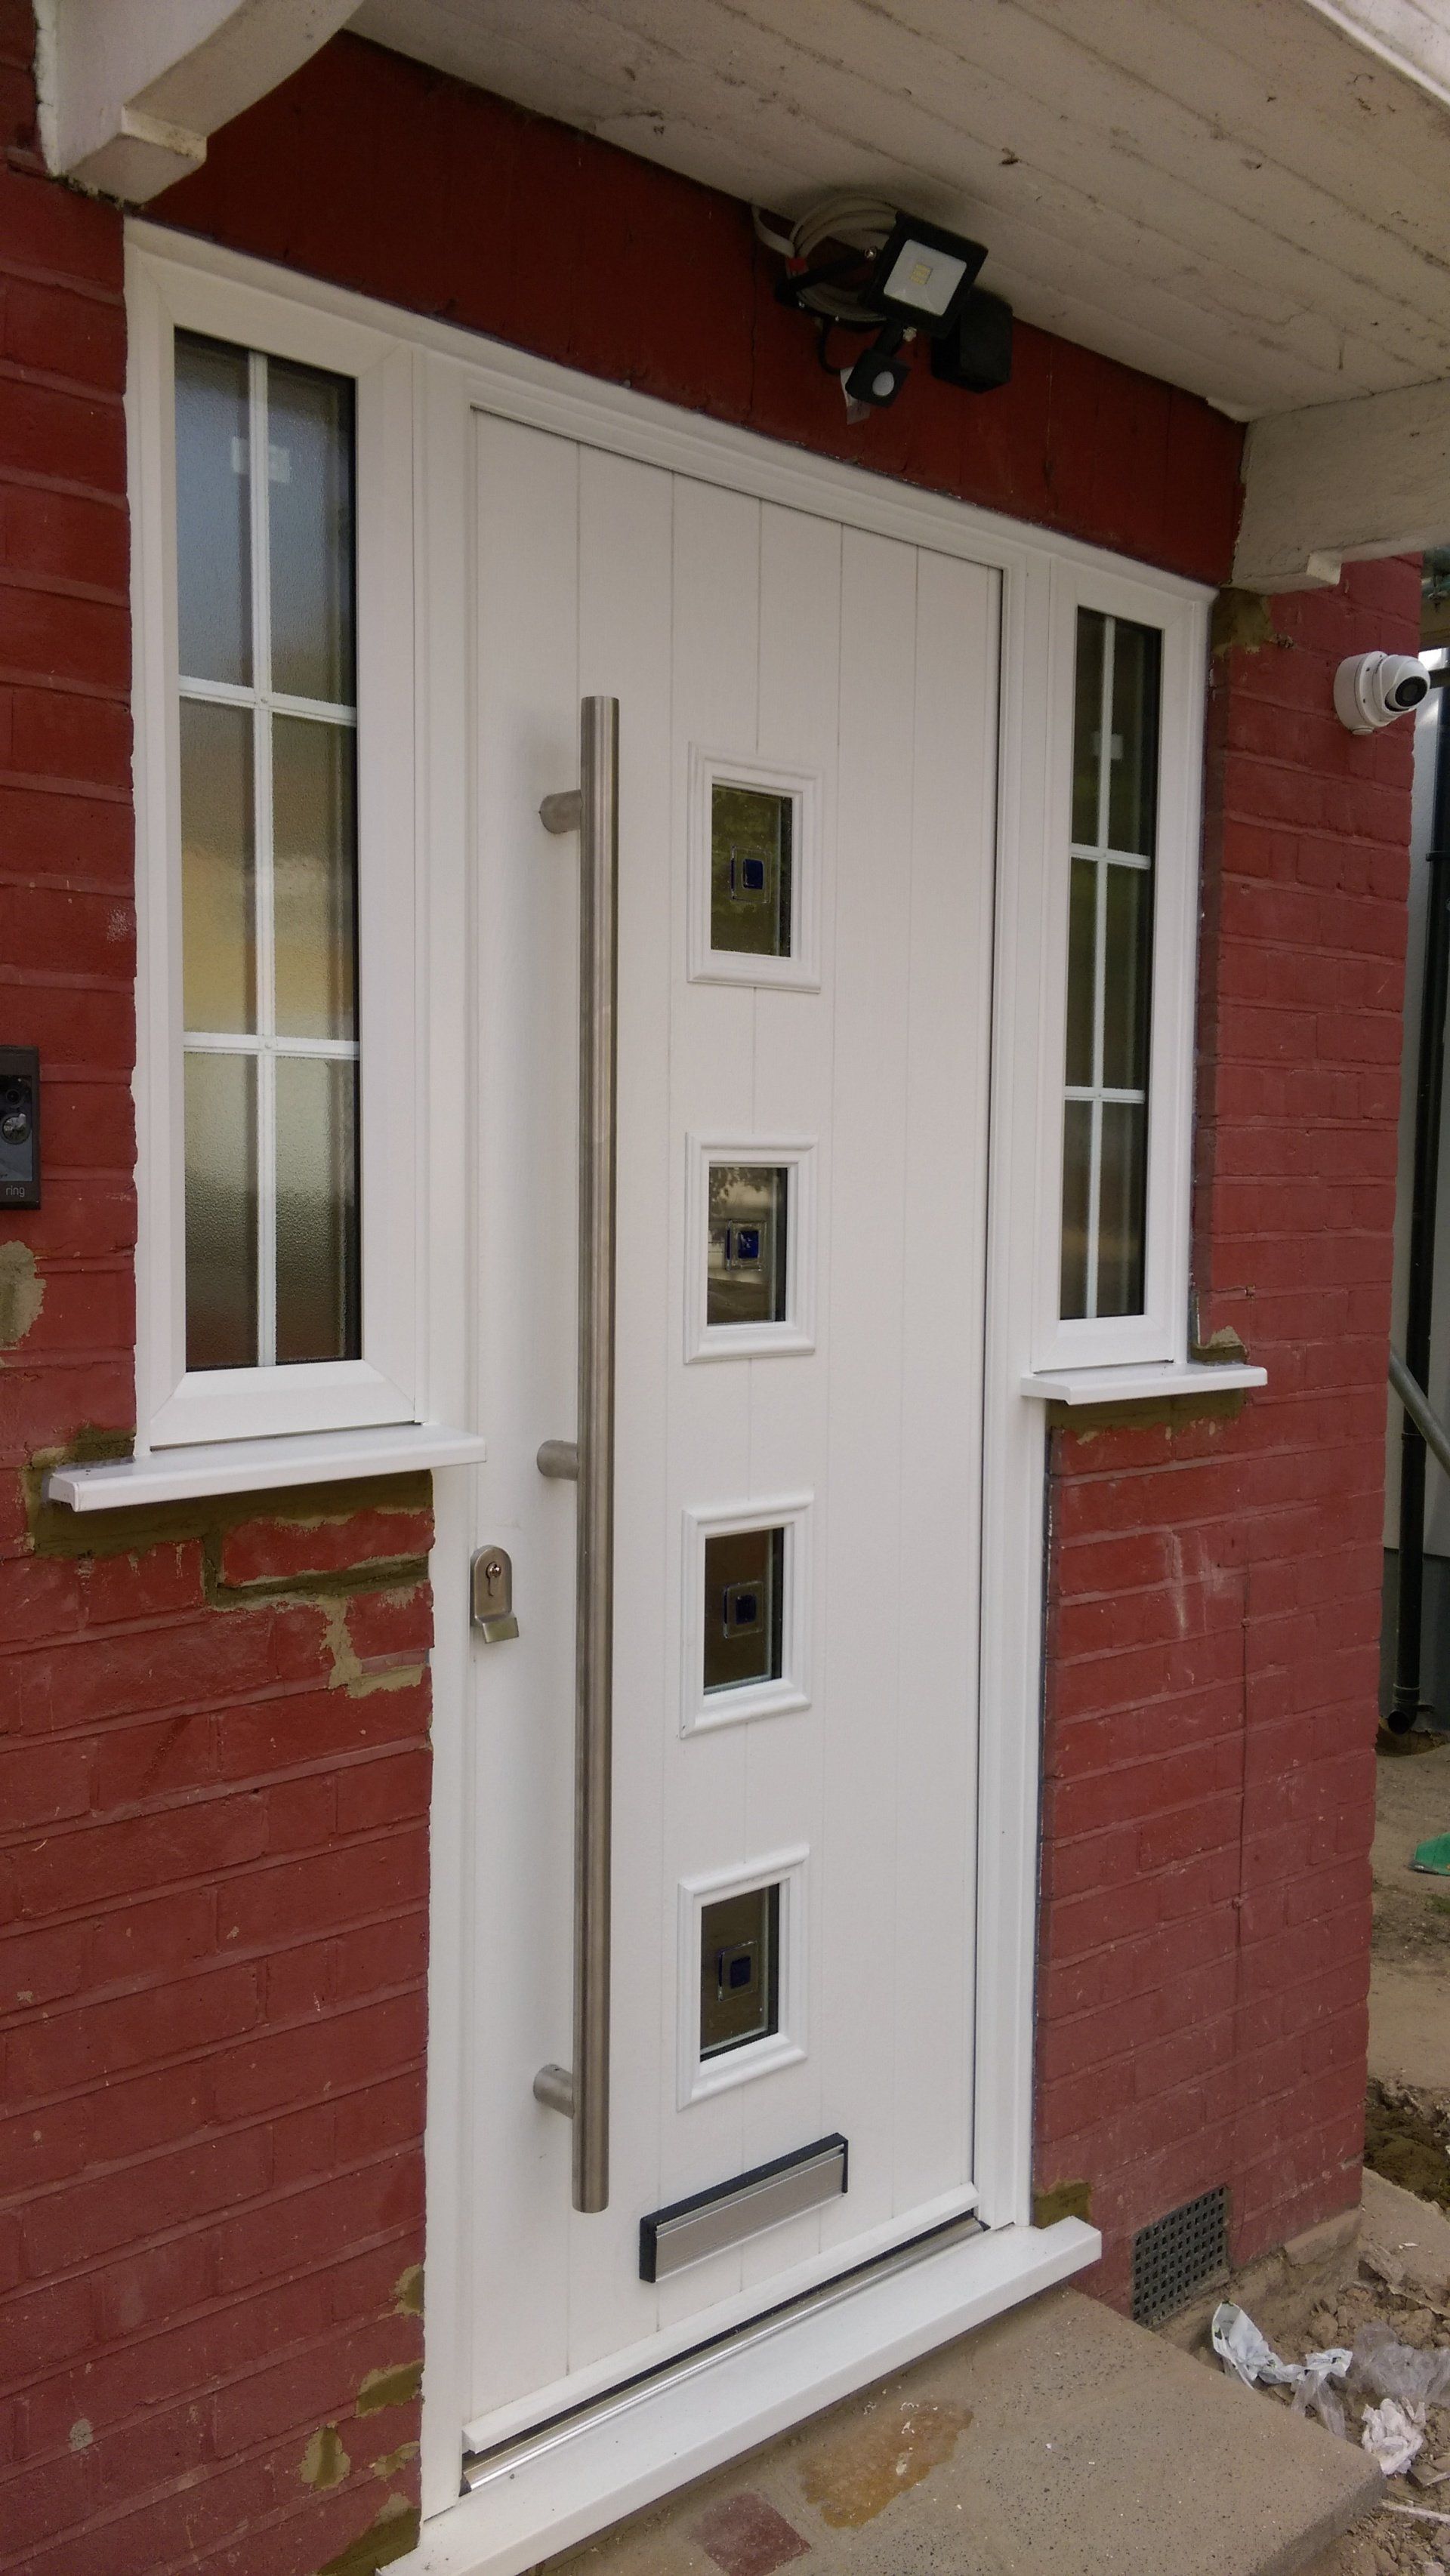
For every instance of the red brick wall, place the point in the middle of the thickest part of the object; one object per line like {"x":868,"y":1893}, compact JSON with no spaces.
{"x":380,"y":175}
{"x":1215,"y":1602}
{"x":213,"y":1749}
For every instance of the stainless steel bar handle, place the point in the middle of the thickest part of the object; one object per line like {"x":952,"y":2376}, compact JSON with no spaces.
{"x":583,"y":2089}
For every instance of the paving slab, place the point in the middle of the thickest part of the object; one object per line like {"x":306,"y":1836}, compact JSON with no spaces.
{"x":1413,"y":2230}
{"x":1060,"y":2440}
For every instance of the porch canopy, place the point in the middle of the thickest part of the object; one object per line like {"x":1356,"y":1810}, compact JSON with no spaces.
{"x":1246,"y":198}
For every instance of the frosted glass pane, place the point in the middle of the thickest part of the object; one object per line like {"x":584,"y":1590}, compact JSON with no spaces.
{"x":221,"y":1211}
{"x":1077,"y":1149}
{"x":1127,"y":978}
{"x":1120,"y":1210}
{"x":317,"y":1237}
{"x":1082,"y":936}
{"x":314,"y":879}
{"x":1087,"y":725}
{"x":1133,"y":788}
{"x":213,"y":485}
{"x":309,"y":486}
{"x":218,"y":889}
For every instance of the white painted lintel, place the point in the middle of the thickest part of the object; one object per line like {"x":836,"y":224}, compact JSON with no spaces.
{"x":1343,"y":482}
{"x":130,"y":90}
{"x":257,"y":1466}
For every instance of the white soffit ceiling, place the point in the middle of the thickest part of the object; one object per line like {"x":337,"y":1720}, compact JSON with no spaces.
{"x":1239,"y":196}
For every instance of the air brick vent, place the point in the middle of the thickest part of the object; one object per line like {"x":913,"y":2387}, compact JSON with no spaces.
{"x":1178,"y":2255}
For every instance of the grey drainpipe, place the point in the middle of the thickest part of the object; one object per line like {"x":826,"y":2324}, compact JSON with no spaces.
{"x":1429,"y":1097}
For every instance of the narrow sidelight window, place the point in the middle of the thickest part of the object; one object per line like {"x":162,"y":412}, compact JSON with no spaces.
{"x":267,"y":730}
{"x":1110,"y":965}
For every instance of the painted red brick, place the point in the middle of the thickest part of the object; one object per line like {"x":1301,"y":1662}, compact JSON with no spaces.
{"x":1266,"y":1529}
{"x":591,"y":257}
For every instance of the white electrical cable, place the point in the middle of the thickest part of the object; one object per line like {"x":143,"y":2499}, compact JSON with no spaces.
{"x":857,"y":222}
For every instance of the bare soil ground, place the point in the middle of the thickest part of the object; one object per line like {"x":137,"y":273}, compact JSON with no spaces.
{"x":1403,"y":2275}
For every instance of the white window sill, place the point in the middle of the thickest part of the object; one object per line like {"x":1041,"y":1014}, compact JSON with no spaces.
{"x":1142,"y":1382}
{"x":256,"y":1466}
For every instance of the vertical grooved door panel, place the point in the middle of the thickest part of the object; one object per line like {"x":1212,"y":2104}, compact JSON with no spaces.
{"x":856,"y":677}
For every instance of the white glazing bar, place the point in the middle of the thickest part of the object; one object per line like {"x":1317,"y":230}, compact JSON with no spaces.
{"x":234,"y":1042}
{"x":1111,"y":1094}
{"x":228,"y":693}
{"x":1100,"y":943}
{"x":266,"y":1011}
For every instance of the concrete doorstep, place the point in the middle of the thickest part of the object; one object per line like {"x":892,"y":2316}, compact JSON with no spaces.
{"x":1059,"y":2441}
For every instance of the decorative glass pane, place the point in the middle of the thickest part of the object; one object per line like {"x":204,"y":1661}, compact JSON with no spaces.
{"x":213,"y":501}
{"x":314,"y":879}
{"x":1133,"y":785}
{"x":218,"y":878}
{"x":1127,"y":978}
{"x":269,"y":837}
{"x":1077,"y":1164}
{"x":309,"y":475}
{"x":744,"y":1603}
{"x":221,"y":1211}
{"x":1087,"y":739}
{"x":1082,"y":946}
{"x":1120,"y":1209}
{"x":751,"y":832}
{"x":739,"y":1970}
{"x":747,"y":1244}
{"x":317,"y":1287}
{"x":1110,"y":965}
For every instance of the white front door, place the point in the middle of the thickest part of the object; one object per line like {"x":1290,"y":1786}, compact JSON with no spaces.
{"x":807,"y":745}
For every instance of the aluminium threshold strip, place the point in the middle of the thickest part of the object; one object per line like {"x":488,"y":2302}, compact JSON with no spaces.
{"x":507,"y":2456}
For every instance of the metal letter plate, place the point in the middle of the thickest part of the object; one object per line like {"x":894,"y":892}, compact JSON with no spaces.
{"x":493,"y":1595}
{"x":690,"y":2230}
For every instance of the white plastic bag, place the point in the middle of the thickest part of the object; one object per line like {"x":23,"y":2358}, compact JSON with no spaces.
{"x":1392,"y":2434}
{"x":1400,"y":2370}
{"x":1241,"y":2348}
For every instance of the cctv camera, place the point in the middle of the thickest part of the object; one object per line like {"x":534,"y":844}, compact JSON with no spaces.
{"x":1371,"y":689}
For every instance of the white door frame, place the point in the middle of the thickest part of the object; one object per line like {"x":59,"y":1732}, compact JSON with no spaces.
{"x":455,"y":374}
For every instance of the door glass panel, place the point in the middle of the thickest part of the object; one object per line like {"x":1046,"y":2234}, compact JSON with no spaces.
{"x":739,"y":1970}
{"x":1120,"y":1209}
{"x":744,"y":1605}
{"x":1110,"y":965}
{"x":221,"y":1211}
{"x":309,"y":474}
{"x":751,"y":835}
{"x":1133,"y":789}
{"x":1127,"y":958}
{"x":218,"y":876}
{"x":213,"y":505}
{"x":1077,"y":1156}
{"x":269,"y":858}
{"x":1082,"y":935}
{"x":314,"y":878}
{"x":747,"y":1249}
{"x":1087,"y":742}
{"x":317,"y":1297}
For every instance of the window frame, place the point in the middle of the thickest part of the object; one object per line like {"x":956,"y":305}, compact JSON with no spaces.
{"x":177,"y":1406}
{"x":1160,"y":1332}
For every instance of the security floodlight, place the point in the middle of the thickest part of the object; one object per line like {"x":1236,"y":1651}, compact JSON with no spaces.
{"x":922,"y":276}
